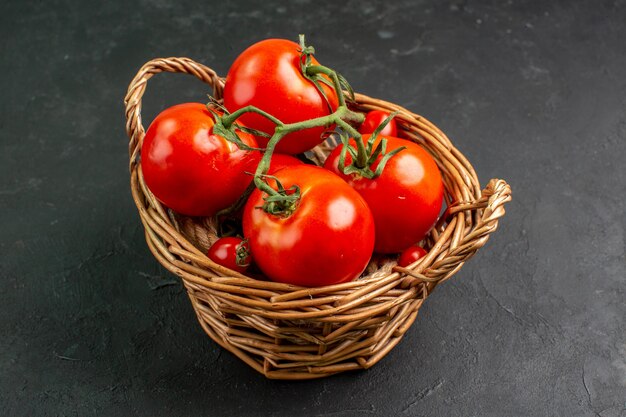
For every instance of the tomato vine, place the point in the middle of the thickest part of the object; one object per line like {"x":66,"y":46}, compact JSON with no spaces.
{"x":281,"y":201}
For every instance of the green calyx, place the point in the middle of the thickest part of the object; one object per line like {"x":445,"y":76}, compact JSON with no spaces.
{"x":364,"y":157}
{"x":229,"y":130}
{"x":242,"y":253}
{"x":283,"y":202}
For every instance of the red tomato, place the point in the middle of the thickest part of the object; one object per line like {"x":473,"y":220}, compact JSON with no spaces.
{"x":281,"y":160}
{"x":328,"y":239}
{"x":374,"y":118}
{"x":231,"y":252}
{"x":190,"y":169}
{"x":410,"y":255}
{"x":267,"y":75}
{"x":405,"y":199}
{"x":277,"y":162}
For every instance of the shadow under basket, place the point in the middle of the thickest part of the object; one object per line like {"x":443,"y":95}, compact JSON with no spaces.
{"x":289,"y":332}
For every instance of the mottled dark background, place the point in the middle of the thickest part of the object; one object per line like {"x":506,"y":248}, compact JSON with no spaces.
{"x":532,"y":92}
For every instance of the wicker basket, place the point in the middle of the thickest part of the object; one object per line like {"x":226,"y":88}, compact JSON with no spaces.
{"x":289,"y":332}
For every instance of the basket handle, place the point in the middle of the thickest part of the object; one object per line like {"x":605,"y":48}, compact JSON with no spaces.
{"x":492,"y":199}
{"x":491,"y":202}
{"x":491,"y":206}
{"x":137,"y":88}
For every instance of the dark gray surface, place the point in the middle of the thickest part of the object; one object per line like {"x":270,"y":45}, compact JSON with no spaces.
{"x":532,"y":92}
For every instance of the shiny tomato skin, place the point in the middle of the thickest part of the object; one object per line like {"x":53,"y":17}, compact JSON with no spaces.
{"x":277,"y":162}
{"x":224,"y":252}
{"x":267,"y":75}
{"x":405,"y":200}
{"x":410,"y":255}
{"x":280,"y":161}
{"x":328,"y":239}
{"x":374,"y":118}
{"x":188,"y":168}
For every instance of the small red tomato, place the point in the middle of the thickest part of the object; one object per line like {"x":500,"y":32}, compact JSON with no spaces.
{"x":405,"y":199}
{"x":267,"y":75}
{"x":374,"y":118}
{"x":231,"y":252}
{"x":327,"y":239}
{"x":189,"y":168}
{"x":410,"y":255}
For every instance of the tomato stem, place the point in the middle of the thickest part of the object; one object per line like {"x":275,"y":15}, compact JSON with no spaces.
{"x":361,"y":154}
{"x":228,"y":120}
{"x":283,"y":202}
{"x":312,"y":70}
{"x":242,"y":252}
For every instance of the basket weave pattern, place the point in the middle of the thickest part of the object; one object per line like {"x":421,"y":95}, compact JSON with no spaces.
{"x":290,"y":332}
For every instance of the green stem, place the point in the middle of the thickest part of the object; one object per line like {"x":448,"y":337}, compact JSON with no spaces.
{"x":264,"y":164}
{"x":281,"y":131}
{"x":320,"y":69}
{"x":228,"y":120}
{"x":362,"y":157}
{"x":278,"y":201}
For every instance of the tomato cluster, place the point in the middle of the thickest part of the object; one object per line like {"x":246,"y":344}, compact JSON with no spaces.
{"x":301,"y":224}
